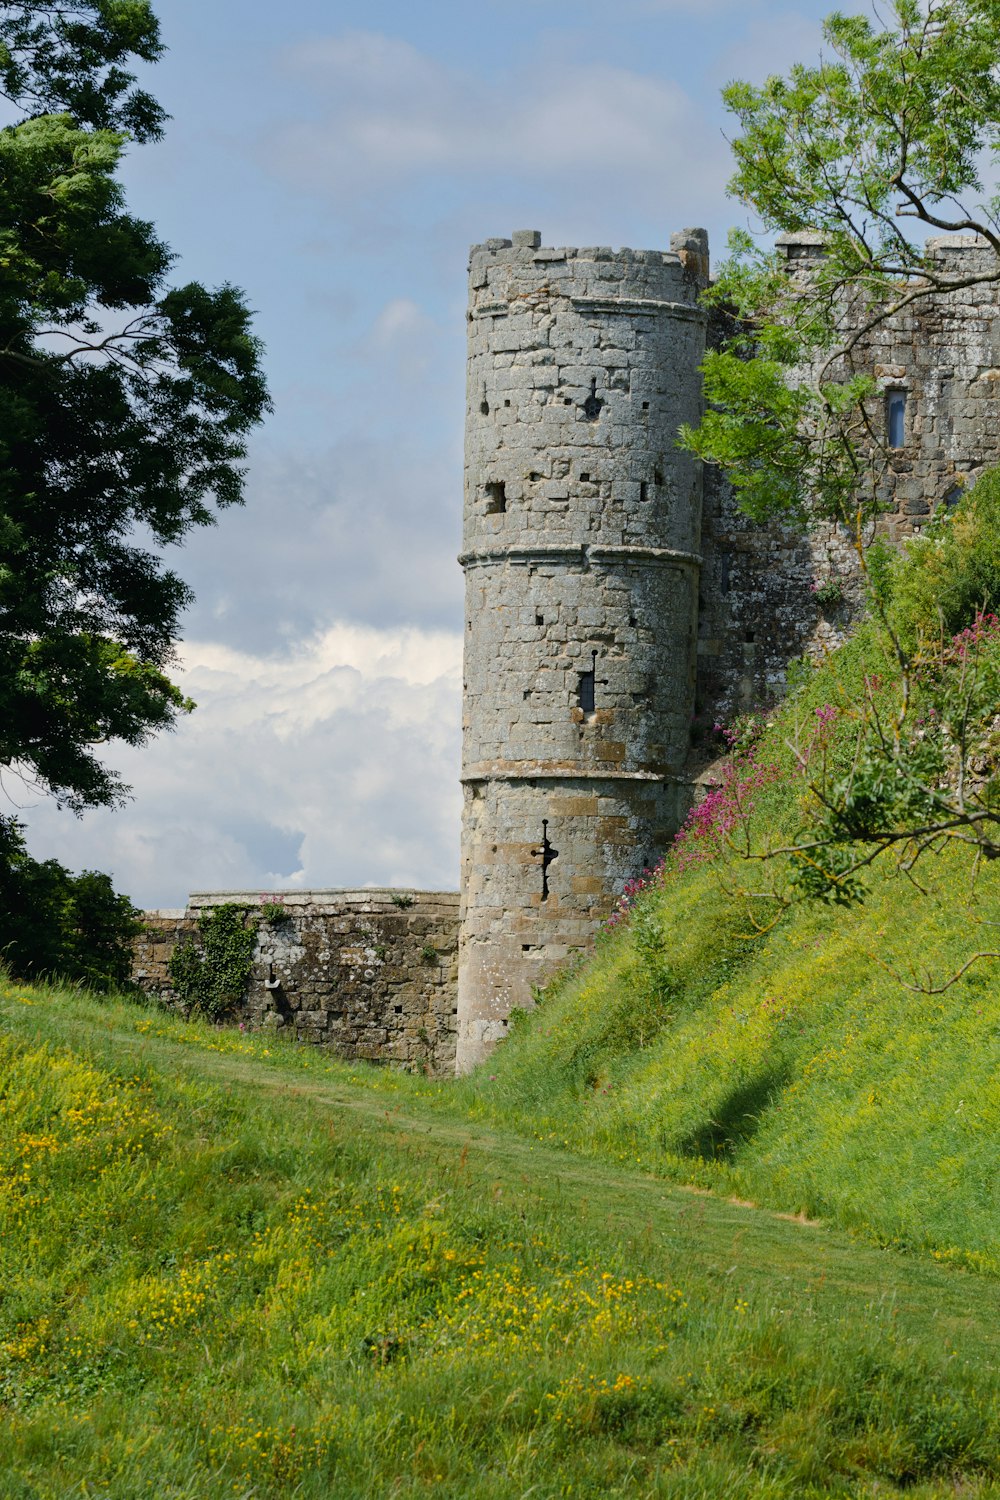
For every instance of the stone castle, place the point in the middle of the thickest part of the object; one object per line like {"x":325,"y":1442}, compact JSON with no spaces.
{"x":615,"y":596}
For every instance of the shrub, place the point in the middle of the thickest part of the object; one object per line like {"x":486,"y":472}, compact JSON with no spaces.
{"x":828,"y":595}
{"x":951,"y":574}
{"x":274,"y":911}
{"x":211,"y":976}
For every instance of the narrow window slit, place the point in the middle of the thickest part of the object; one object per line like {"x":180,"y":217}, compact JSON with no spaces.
{"x":548,"y":854}
{"x":895,"y":418}
{"x":496,"y":497}
{"x":586,"y":688}
{"x":643,"y":490}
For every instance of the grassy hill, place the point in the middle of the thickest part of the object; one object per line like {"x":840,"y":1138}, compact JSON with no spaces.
{"x":816,"y":1058}
{"x":797,"y":1067}
{"x":719,"y":1219}
{"x":234,"y":1268}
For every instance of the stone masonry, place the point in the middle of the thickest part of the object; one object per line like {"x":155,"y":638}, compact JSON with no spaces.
{"x":592,"y":546}
{"x":581,"y":557}
{"x":758,"y":608}
{"x":614,"y":592}
{"x":369,"y":974}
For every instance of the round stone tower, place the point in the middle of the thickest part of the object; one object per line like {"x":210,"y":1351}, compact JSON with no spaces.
{"x":581,"y":542}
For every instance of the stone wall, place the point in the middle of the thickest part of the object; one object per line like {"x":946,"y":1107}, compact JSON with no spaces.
{"x":369,"y":974}
{"x":581,"y":557}
{"x":758,"y":605}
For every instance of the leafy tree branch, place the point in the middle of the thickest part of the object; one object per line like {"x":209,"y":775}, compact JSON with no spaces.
{"x":125,"y":403}
{"x":885,"y":133}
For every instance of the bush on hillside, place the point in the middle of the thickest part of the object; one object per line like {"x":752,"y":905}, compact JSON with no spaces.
{"x":950,"y":574}
{"x":55,"y":923}
{"x":902,"y":755}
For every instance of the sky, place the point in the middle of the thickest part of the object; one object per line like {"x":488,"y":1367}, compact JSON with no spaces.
{"x":336,"y":162}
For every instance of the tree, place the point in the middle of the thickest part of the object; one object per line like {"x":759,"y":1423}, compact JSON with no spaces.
{"x":887,"y":135}
{"x":125,"y":403}
{"x":73,"y":927}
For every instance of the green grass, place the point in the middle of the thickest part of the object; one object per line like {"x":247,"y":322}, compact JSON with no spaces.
{"x":793,"y":1068}
{"x":235,"y":1268}
{"x":720,"y":1219}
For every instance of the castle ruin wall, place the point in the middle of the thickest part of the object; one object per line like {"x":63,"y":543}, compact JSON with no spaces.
{"x":759,"y":584}
{"x":614,"y":591}
{"x":359,"y":972}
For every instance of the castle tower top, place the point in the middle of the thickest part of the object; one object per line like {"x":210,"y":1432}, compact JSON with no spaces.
{"x":668,"y":274}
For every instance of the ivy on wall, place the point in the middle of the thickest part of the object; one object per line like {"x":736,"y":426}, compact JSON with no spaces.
{"x":211,"y":976}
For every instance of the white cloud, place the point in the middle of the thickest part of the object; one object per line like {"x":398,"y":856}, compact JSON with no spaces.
{"x":390,"y":116}
{"x":366,"y":530}
{"x":336,"y":765}
{"x":399,"y":321}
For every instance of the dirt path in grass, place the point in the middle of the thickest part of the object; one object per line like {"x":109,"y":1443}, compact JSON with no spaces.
{"x":781,"y":1257}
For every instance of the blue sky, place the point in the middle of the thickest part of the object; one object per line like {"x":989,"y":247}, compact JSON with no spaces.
{"x":336,"y":162}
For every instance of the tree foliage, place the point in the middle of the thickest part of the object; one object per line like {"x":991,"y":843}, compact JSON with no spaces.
{"x":919,"y":767}
{"x":885,"y":139}
{"x":76,"y":56}
{"x":125,"y":403}
{"x":74,"y":927}
{"x":885,"y":754}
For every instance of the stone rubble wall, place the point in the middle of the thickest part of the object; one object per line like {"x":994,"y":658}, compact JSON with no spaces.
{"x":758,"y":606}
{"x":355,"y":971}
{"x":164,"y":930}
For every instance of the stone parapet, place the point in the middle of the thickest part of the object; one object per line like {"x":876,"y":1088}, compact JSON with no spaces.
{"x":367,"y":973}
